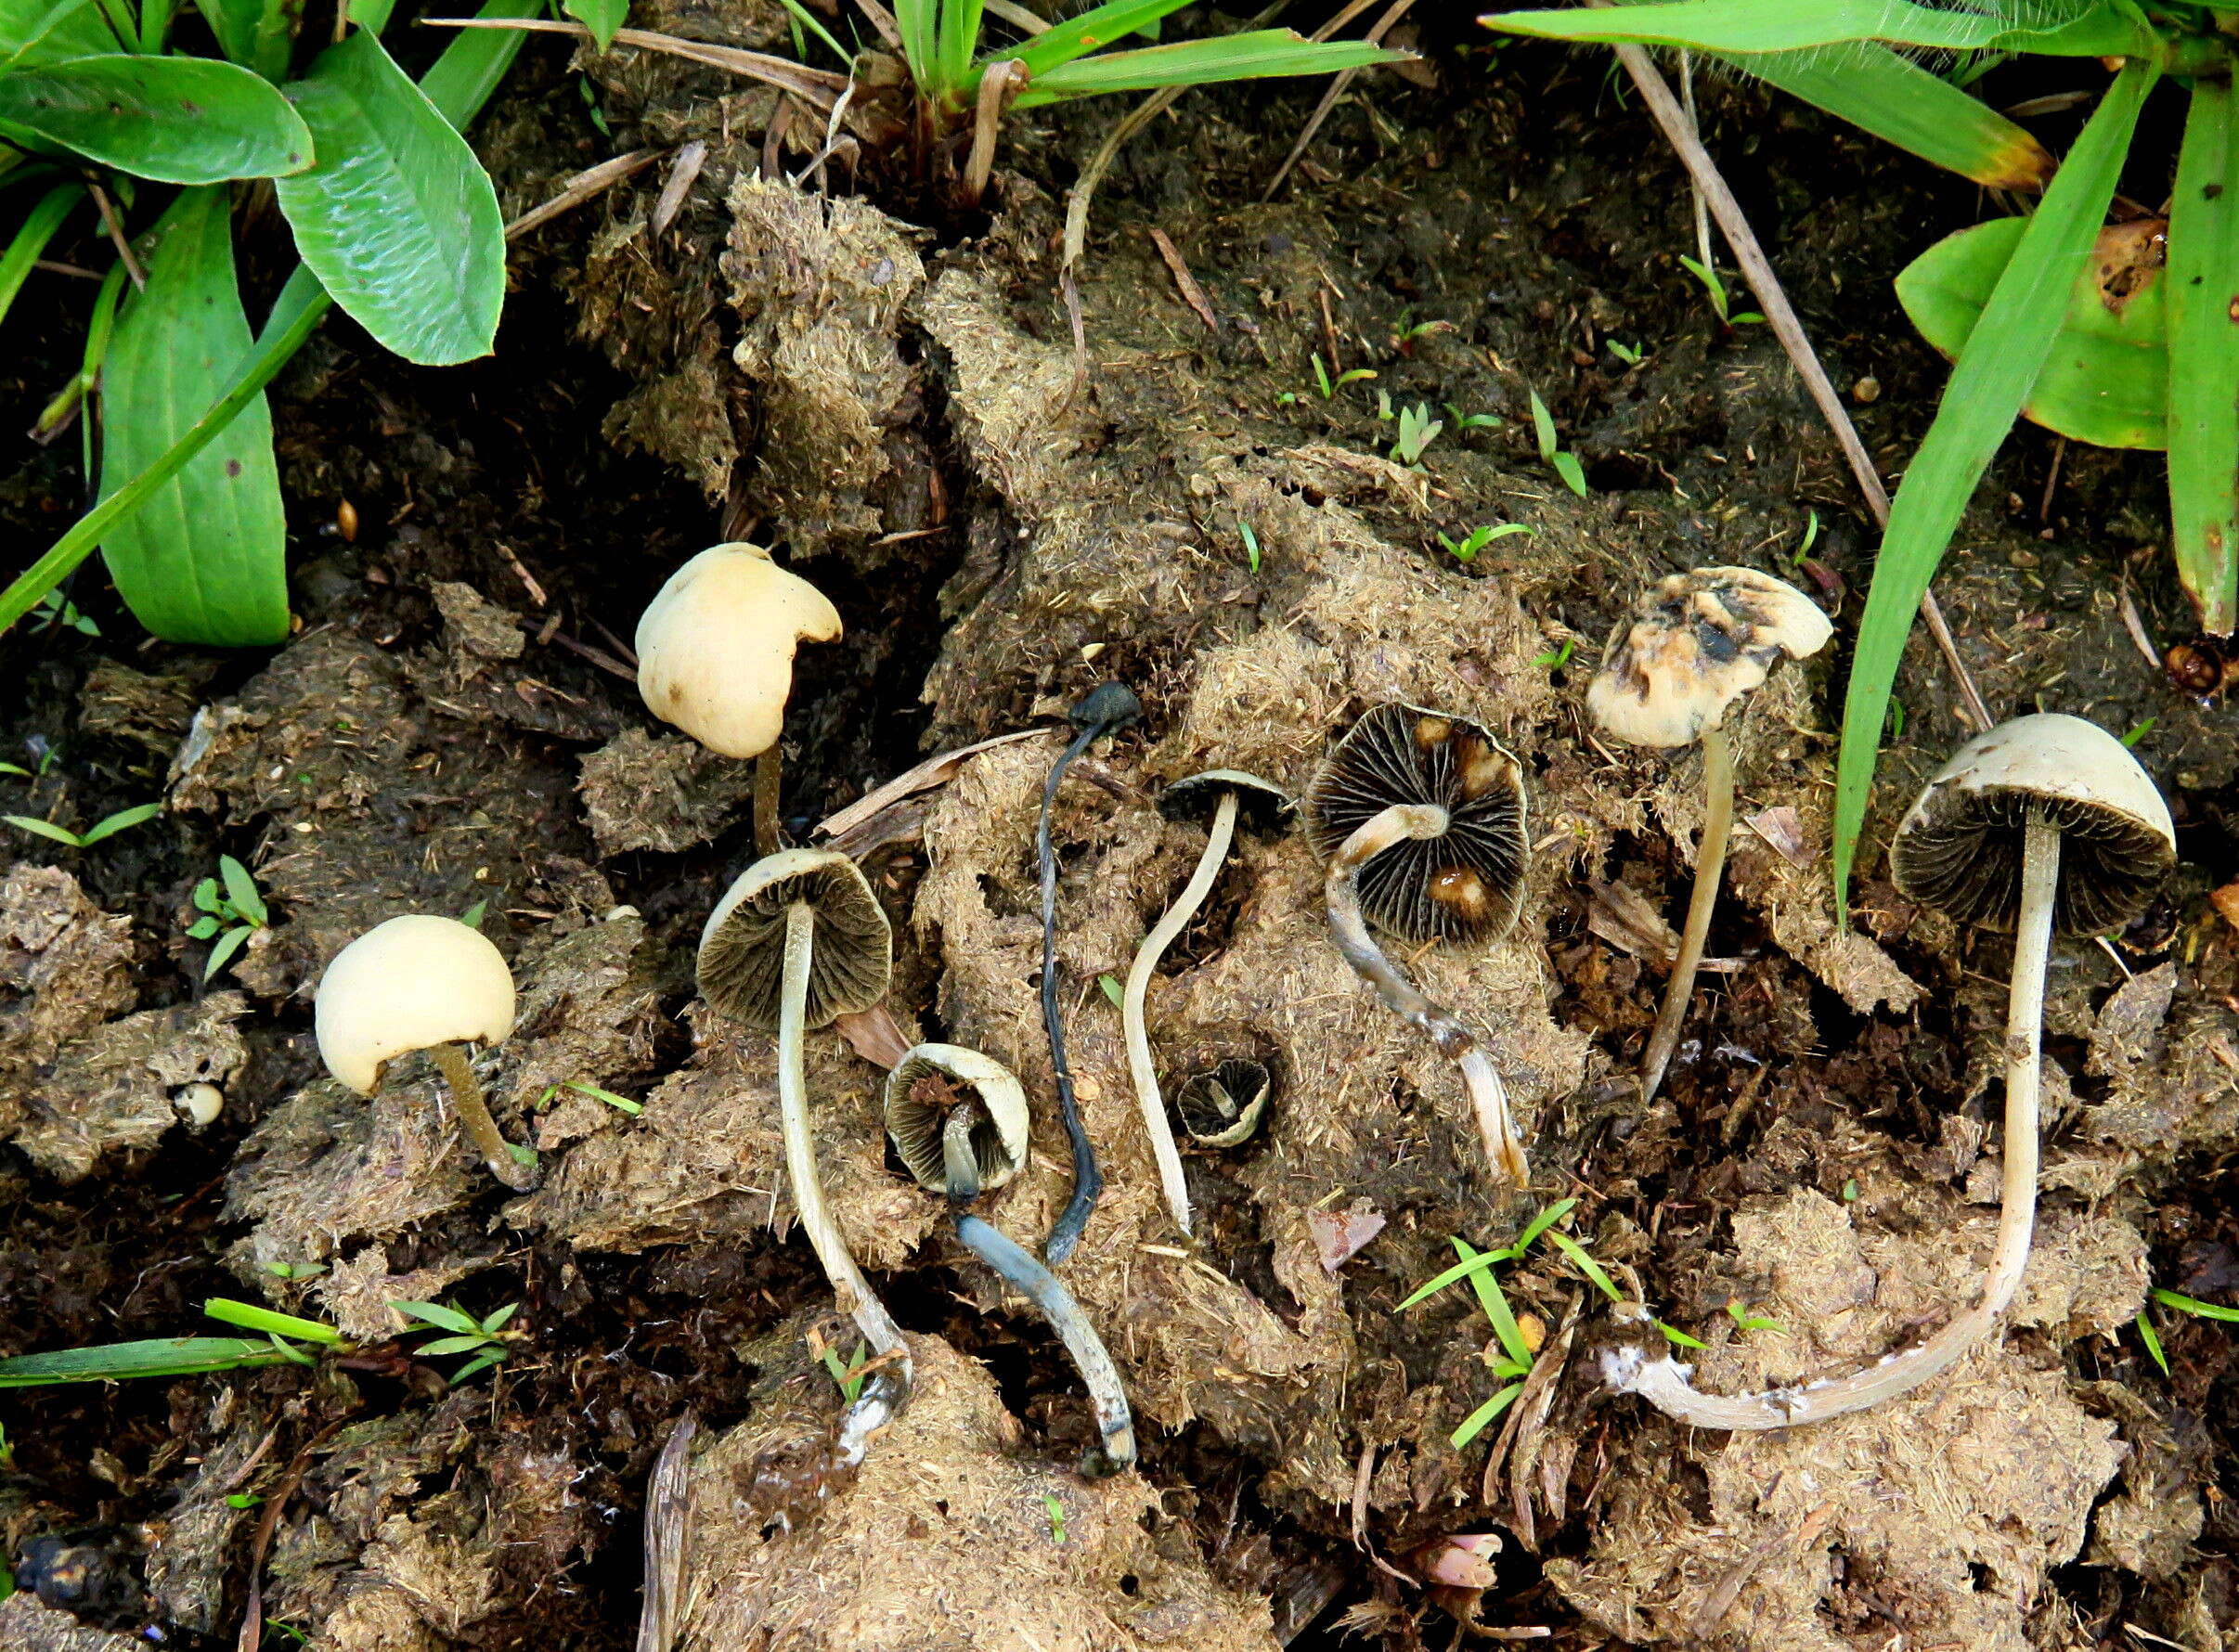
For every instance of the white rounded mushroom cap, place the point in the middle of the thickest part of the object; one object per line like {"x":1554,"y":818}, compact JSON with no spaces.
{"x":1693,"y":646}
{"x":409,"y":984}
{"x":715,"y":648}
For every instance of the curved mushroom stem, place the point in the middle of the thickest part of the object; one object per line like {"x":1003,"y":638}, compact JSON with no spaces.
{"x":1488,"y":1095}
{"x":1710,"y":867}
{"x":1018,"y":1269}
{"x":474,"y":1113}
{"x":1662,"y":1381}
{"x":1154,"y":948}
{"x":768,"y":776}
{"x":881,"y":1396}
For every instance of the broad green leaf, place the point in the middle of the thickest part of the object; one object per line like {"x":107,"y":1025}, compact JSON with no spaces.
{"x":399,"y":221}
{"x":1076,"y":37}
{"x":38,"y":228}
{"x":204,"y":560}
{"x":2008,"y":348}
{"x":1254,"y":56}
{"x":177,"y":119}
{"x":168,"y":1356}
{"x":2106,"y":380}
{"x":251,"y":1317}
{"x":601,"y":17}
{"x":202,"y":929}
{"x":30,"y":30}
{"x":1793,"y":25}
{"x":240,"y":889}
{"x":2203,"y":285}
{"x":139,"y":814}
{"x":254,"y":33}
{"x":1898,"y":101}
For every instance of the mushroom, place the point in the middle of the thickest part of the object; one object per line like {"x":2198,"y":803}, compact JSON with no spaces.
{"x":1223,"y":1107}
{"x":957,"y":1120}
{"x":1106,"y":709}
{"x":1420,"y":815}
{"x":714,"y":659}
{"x":2045,"y":824}
{"x":428,"y":983}
{"x":1689,"y":648}
{"x":798,"y":940}
{"x":1227,"y":795}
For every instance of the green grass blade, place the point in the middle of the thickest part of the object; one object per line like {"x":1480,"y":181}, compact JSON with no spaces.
{"x":47,"y":829}
{"x":1076,"y":37}
{"x":136,"y":815}
{"x":2203,"y":303}
{"x":2194,"y":1306}
{"x":115,"y":1362}
{"x":808,"y":21}
{"x":1495,"y":1301}
{"x":1477,"y":1421}
{"x":1584,"y":1263}
{"x":249,"y":1317}
{"x":1258,"y":54}
{"x":1541,"y":1224}
{"x":916,"y":20}
{"x":1795,"y":25}
{"x":1898,"y":101}
{"x":958,"y":42}
{"x":2153,"y":1342}
{"x":1476,"y":1261}
{"x":1994,"y":374}
{"x":437,"y":1313}
{"x":38,"y":228}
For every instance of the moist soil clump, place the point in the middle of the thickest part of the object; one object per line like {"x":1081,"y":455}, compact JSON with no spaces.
{"x":893,"y":398}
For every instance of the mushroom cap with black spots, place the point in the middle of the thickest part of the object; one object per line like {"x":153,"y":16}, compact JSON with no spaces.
{"x":1262,"y":806}
{"x":742,"y":958}
{"x":1958,"y":847}
{"x":1467,"y":884}
{"x":1223,"y":1107}
{"x":1693,"y":645}
{"x":999,"y":1136}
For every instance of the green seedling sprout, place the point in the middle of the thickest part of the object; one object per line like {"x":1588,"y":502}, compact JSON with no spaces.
{"x":1466,"y":550}
{"x":231,"y":913}
{"x":55,"y":609}
{"x":1465,"y":422}
{"x":1716,"y":288}
{"x":1417,"y":429}
{"x":2153,"y":1341}
{"x":109,"y":827}
{"x":1405,"y":339}
{"x":1744,"y":1320}
{"x":2139,"y":731}
{"x":1329,"y":386}
{"x":486,"y":1339}
{"x":847,"y":1375}
{"x":1056,"y":1513}
{"x":1251,"y":546}
{"x":1811,"y":537}
{"x":183,"y":1356}
{"x":1563,"y":462}
{"x":1631,"y":355}
{"x":620,"y":1103}
{"x":1555,"y":659}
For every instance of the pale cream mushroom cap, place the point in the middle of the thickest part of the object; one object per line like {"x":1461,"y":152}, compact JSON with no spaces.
{"x":715,"y":648}
{"x":999,"y":1141}
{"x":409,"y":984}
{"x":1693,"y":645}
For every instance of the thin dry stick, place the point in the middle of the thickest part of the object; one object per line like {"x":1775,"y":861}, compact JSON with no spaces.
{"x":668,"y":1530}
{"x":116,"y":235}
{"x":1338,"y":86}
{"x":818,"y":86}
{"x":583,"y":187}
{"x":998,"y":86}
{"x":1789,"y":331}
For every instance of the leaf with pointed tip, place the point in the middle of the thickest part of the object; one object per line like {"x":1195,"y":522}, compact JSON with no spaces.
{"x":176,"y":120}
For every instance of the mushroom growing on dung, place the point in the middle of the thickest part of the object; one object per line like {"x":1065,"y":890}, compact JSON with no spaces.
{"x":1227,"y":795}
{"x":429,"y":984}
{"x":798,"y":940}
{"x":1689,"y":648}
{"x":714,"y":659}
{"x":2046,"y":824}
{"x":1420,"y":816}
{"x":1224,"y":1106}
{"x":1106,"y":710}
{"x":958,"y":1120}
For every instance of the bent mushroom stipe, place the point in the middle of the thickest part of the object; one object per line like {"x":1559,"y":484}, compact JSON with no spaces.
{"x":421,"y":983}
{"x":1229,"y":795}
{"x":2045,"y":824}
{"x":1688,"y":650}
{"x":798,"y":941}
{"x":1420,"y":816}
{"x":1106,"y":710}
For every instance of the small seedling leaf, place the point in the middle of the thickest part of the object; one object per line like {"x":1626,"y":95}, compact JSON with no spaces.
{"x":620,"y":1103}
{"x":1495,"y":1301}
{"x":115,"y":1362}
{"x":1112,"y":990}
{"x":436,"y":1314}
{"x":1585,"y":1263}
{"x":206,"y":896}
{"x":202,"y":929}
{"x":2194,"y":1306}
{"x":1541,"y":1224}
{"x":240,"y":889}
{"x":1543,"y":426}
{"x":2153,"y":1342}
{"x":122,"y":821}
{"x":477,"y":1365}
{"x":449,"y":1344}
{"x":62,"y":834}
{"x":222,"y":954}
{"x":1571,"y":471}
{"x":1476,"y":1422}
{"x":1672,"y":1333}
{"x":473,"y":915}
{"x":496,"y":1322}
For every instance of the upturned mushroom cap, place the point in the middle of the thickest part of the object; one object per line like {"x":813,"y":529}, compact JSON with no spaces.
{"x":1223,"y":1107}
{"x":917,"y":1112}
{"x":741,"y":962}
{"x":715,"y":648}
{"x":409,"y":984}
{"x":1262,"y":806}
{"x":1693,"y":646}
{"x":1465,"y":885}
{"x":1958,"y":847}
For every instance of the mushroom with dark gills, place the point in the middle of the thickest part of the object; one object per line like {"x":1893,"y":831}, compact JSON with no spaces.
{"x":957,"y":1120}
{"x":2044,"y":825}
{"x":1229,"y":797}
{"x":424,"y":983}
{"x":1688,"y":650}
{"x":1420,"y":816}
{"x":1224,"y":1106}
{"x":798,"y":941}
{"x":714,"y":659}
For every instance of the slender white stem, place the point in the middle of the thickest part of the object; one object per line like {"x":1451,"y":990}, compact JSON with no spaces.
{"x":1710,"y":868}
{"x":848,"y":1285}
{"x":1342,"y":889}
{"x":1662,"y":1381}
{"x":1154,"y":948}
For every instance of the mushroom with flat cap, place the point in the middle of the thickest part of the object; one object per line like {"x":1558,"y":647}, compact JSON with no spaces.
{"x":1420,"y":816}
{"x":714,"y":659}
{"x":422,"y":983}
{"x":1104,"y":710}
{"x":2045,"y":824}
{"x":957,"y":1120}
{"x":1228,"y":795}
{"x":1687,"y":651}
{"x":797,"y":941}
